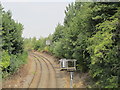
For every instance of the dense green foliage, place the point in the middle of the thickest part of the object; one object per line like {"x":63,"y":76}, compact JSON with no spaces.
{"x":37,"y":44}
{"x":13,"y":55}
{"x":91,"y":34}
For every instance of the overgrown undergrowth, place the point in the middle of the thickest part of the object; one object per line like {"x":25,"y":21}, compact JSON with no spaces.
{"x":13,"y":64}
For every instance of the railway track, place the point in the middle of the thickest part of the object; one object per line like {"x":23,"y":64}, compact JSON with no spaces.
{"x":52,"y":71}
{"x":45,"y":75}
{"x":37,"y":73}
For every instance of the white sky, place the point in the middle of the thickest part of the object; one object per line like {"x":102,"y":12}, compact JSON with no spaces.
{"x":39,"y":18}
{"x":37,"y":0}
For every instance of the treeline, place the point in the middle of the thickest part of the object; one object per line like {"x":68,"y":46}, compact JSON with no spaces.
{"x":12,"y":50}
{"x":91,"y":34}
{"x":37,"y":44}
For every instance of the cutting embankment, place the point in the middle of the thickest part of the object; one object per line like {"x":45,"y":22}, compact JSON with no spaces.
{"x":40,"y":72}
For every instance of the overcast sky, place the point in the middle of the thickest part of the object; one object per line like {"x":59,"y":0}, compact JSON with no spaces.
{"x":39,"y":18}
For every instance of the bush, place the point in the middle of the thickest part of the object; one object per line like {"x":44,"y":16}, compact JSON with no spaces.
{"x":11,"y":63}
{"x":5,"y":60}
{"x":58,"y":49}
{"x":17,"y":60}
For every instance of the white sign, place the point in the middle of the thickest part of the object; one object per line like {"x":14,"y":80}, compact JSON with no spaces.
{"x":48,"y":42}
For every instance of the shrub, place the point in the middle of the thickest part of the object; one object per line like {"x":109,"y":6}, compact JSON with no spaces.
{"x":5,"y":62}
{"x":17,"y":60}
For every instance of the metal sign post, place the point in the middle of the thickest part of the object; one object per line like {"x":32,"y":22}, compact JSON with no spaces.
{"x":71,"y":79}
{"x":65,"y":65}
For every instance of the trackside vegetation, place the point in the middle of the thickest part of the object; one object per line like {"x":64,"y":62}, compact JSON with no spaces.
{"x":11,"y":45}
{"x":91,"y":34}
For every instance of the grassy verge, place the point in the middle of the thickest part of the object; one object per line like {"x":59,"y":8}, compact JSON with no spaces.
{"x":14,"y":64}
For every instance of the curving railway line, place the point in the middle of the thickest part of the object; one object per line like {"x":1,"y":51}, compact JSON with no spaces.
{"x":40,"y":72}
{"x":44,"y":74}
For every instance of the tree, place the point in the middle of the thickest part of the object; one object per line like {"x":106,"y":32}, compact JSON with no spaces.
{"x":90,"y":34}
{"x":11,"y":34}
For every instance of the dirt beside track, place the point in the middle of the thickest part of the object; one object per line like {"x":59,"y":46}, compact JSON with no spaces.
{"x":17,"y":79}
{"x":40,"y":72}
